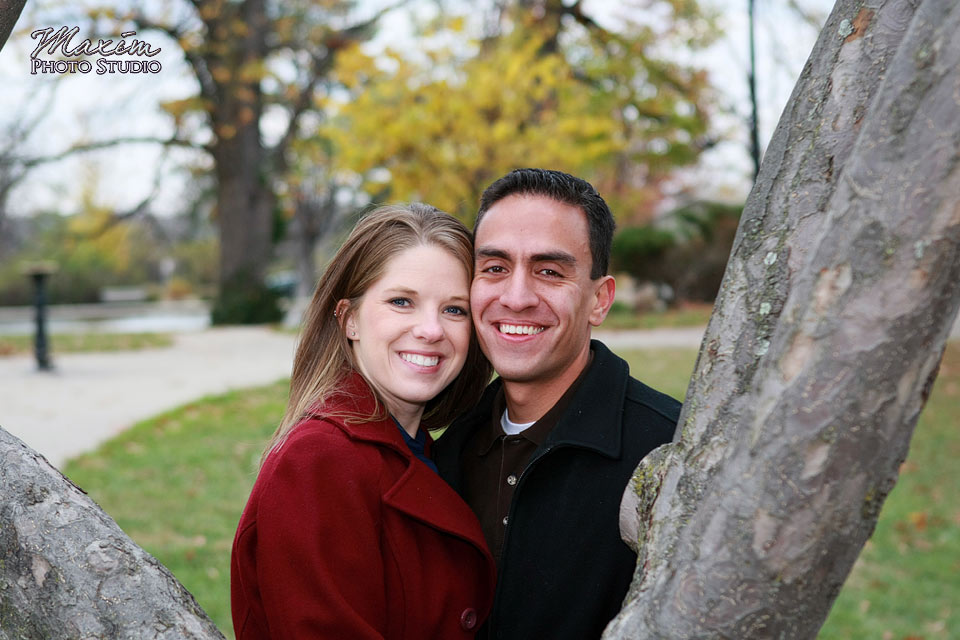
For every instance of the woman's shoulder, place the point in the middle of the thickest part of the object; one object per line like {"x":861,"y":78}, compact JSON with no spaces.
{"x":316,"y":439}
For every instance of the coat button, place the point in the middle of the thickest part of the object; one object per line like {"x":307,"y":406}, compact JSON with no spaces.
{"x":468,"y":619}
{"x":511,"y":480}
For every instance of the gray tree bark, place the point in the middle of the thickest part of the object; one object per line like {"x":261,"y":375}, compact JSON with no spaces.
{"x":825,"y":340}
{"x":68,"y":571}
{"x":10,"y":11}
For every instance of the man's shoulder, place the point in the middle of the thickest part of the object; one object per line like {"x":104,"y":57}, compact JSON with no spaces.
{"x":649,"y":399}
{"x":649,"y":417}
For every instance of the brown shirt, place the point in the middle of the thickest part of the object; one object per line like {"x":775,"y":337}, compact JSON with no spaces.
{"x":493,"y":462}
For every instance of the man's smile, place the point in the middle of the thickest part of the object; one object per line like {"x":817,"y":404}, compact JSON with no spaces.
{"x":520,"y":329}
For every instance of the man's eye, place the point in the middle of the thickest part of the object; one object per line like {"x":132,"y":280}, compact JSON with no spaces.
{"x":400,"y":302}
{"x":494,"y":269}
{"x":550,"y":272}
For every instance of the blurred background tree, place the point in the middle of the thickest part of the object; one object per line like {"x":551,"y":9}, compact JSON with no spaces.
{"x":297,"y":115}
{"x":530,"y":83}
{"x":251,"y":61}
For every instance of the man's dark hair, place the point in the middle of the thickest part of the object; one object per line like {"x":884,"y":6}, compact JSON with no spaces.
{"x":565,"y":188}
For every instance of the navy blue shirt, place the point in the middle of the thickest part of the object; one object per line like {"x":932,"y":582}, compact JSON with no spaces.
{"x":417,"y":445}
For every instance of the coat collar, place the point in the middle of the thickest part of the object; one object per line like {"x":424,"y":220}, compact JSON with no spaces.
{"x":592,"y":419}
{"x":419,"y":492}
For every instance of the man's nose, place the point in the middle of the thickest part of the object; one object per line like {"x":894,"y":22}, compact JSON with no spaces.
{"x":518,"y":293}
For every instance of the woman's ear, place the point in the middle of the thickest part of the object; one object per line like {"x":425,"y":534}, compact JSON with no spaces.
{"x":346,"y":319}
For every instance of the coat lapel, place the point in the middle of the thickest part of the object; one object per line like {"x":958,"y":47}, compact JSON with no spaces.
{"x":422,"y":494}
{"x":418,"y":492}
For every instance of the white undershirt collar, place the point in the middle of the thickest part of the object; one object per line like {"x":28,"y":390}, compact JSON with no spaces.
{"x":512,"y":428}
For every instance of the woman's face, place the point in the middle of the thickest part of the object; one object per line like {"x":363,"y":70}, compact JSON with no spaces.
{"x":411,"y":330}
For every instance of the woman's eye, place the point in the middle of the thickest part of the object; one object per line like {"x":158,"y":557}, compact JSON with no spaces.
{"x":400,"y":302}
{"x":456,"y":311}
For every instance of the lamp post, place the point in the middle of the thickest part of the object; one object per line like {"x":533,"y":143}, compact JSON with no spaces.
{"x":38,"y":272}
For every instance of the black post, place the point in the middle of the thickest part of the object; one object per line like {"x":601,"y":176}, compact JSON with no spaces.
{"x":38,"y":273}
{"x":752,"y":83}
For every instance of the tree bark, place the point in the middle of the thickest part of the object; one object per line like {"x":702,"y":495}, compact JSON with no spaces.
{"x":245,"y":197}
{"x":825,"y":339}
{"x":10,"y":11}
{"x":68,"y":571}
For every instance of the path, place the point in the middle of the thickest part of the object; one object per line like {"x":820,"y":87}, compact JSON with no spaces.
{"x":91,"y":397}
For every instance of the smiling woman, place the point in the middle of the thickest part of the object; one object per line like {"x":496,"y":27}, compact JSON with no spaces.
{"x":410,"y":333}
{"x":349,"y":531}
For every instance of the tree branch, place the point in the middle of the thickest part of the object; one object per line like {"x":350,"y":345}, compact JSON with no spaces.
{"x":321,"y":64}
{"x":10,"y":11}
{"x":29,"y":163}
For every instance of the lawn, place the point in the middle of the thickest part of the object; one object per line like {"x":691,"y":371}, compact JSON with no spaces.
{"x":176,"y":484}
{"x":77,"y":342}
{"x":686,"y":315}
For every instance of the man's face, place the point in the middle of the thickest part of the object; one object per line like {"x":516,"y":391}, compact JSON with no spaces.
{"x":532,"y":298}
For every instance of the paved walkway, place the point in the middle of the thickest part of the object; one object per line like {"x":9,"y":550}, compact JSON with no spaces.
{"x":90,"y":397}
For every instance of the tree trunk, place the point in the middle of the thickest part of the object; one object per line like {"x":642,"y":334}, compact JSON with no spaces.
{"x":10,"y":11}
{"x":245,"y":196}
{"x":824,"y":342}
{"x":68,"y":571}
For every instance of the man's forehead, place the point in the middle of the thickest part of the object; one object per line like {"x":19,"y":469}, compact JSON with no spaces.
{"x":523,"y":217}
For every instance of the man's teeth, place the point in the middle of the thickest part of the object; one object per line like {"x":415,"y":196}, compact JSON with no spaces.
{"x":423,"y":361}
{"x":523,"y":329}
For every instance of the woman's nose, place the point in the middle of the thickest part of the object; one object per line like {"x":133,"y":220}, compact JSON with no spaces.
{"x":428,"y":328}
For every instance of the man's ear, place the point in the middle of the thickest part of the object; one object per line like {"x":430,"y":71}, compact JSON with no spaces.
{"x":347,"y":322}
{"x":606,"y":288}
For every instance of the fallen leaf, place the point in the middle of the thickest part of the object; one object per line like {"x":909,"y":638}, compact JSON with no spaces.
{"x":919,"y":520}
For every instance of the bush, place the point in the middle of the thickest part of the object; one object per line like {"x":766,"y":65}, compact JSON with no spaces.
{"x":687,"y":249}
{"x":244,"y":301}
{"x":90,"y":254}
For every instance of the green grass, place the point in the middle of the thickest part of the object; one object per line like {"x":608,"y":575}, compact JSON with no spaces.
{"x":78,"y":342}
{"x":688,"y":315}
{"x":906,"y":583}
{"x":177,"y":483}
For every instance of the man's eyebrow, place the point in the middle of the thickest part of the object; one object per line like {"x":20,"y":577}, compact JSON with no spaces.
{"x":491,"y":252}
{"x":561,"y":257}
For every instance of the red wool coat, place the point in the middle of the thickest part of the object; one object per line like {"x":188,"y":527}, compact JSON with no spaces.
{"x":346,"y":536}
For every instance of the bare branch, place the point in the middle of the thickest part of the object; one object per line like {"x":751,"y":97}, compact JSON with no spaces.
{"x":321,"y":65}
{"x":208,"y":88}
{"x":96,"y":145}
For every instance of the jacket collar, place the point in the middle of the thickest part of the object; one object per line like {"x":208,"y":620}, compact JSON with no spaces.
{"x":593,"y":418}
{"x":591,"y":421}
{"x":418,"y":492}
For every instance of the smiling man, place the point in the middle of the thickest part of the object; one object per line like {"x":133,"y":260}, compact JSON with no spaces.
{"x":544,"y":458}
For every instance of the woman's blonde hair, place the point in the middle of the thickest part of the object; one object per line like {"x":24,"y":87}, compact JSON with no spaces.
{"x":324,"y":357}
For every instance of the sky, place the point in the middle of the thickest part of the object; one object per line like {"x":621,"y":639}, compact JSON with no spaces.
{"x":92,"y":106}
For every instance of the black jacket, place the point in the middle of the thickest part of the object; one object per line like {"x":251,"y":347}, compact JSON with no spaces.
{"x":564,"y":569}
